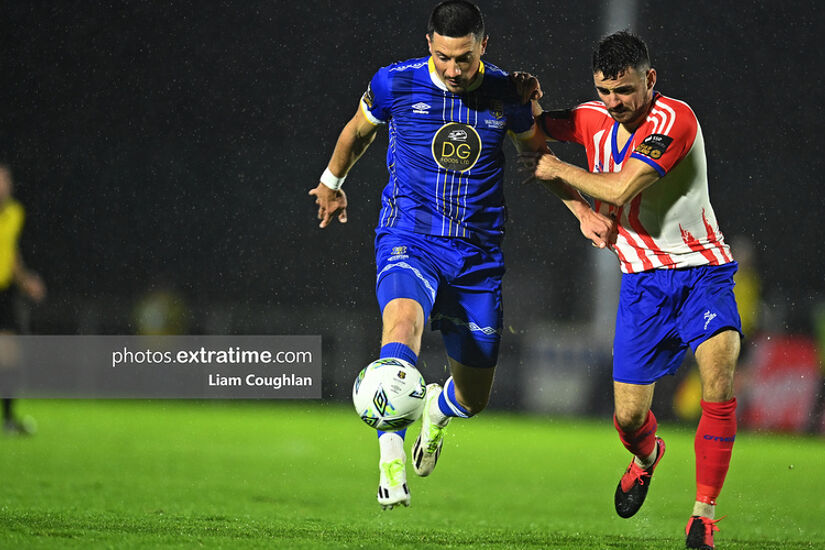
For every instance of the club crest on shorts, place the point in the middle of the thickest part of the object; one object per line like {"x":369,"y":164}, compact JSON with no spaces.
{"x":398,"y":253}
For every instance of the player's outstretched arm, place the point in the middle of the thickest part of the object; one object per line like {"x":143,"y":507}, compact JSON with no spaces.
{"x":616,"y":188}
{"x":353,"y":141}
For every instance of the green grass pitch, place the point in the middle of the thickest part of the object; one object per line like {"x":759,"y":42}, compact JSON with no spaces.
{"x":132,"y":474}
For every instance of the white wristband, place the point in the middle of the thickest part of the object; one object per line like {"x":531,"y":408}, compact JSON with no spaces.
{"x":331,"y":180}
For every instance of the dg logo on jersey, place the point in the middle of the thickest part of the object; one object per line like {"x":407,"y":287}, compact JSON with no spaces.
{"x":456,"y":146}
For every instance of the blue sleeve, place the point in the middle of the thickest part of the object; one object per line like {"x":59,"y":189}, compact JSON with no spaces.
{"x":376,"y":101}
{"x":520,"y":119}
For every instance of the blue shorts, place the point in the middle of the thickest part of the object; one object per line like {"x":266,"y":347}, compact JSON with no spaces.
{"x":662,"y":312}
{"x":456,"y":281}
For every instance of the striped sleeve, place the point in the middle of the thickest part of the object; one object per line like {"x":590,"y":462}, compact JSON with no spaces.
{"x":571,"y":124}
{"x":673,"y":132}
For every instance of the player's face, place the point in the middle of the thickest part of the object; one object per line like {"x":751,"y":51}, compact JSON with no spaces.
{"x":456,"y":59}
{"x":628,"y":96}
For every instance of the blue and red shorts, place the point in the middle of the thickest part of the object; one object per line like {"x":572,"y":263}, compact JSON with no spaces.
{"x":663,"y":311}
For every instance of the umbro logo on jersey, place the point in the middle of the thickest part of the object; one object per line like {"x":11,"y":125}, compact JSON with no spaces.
{"x":708,"y":318}
{"x":421,"y":108}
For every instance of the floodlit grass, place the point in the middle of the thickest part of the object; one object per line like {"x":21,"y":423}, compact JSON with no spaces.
{"x":303,"y":475}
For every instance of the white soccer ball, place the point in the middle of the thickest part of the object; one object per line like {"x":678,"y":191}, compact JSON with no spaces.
{"x":388,"y":394}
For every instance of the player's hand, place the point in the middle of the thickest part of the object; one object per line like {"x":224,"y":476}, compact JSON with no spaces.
{"x":526,"y":163}
{"x":537,"y":165}
{"x":528,"y":86}
{"x":329,"y":203}
{"x":600,"y":229}
{"x":546,"y":167}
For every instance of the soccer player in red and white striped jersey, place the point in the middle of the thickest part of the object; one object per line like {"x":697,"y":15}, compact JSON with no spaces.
{"x":648,"y":170}
{"x":661,"y":226}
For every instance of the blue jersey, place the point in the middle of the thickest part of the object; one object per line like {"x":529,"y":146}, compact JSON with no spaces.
{"x":445,"y":157}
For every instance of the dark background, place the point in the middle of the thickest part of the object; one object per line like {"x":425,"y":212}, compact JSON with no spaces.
{"x":173,"y":144}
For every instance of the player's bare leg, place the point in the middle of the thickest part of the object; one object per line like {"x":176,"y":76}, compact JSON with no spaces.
{"x":717,"y":358}
{"x":472,"y":385}
{"x":465,"y":394}
{"x":631,"y":404}
{"x":636,"y":425}
{"x":715,"y":434}
{"x":403,"y":322}
{"x":403,"y":326}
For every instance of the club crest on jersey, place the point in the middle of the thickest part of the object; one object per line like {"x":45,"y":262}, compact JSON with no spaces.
{"x":497,"y":109}
{"x":456,"y":146}
{"x":421,"y":108}
{"x":654,"y":145}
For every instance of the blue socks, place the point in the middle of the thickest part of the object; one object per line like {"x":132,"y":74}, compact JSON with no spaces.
{"x":448,"y":404}
{"x":399,"y":351}
{"x":403,"y":352}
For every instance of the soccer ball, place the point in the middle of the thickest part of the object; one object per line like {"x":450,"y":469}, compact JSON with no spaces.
{"x":389,"y":394}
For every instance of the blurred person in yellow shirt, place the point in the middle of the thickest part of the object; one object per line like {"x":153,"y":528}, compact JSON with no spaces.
{"x":14,"y":276}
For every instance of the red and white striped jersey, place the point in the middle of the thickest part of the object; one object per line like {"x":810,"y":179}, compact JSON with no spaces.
{"x":670,"y":224}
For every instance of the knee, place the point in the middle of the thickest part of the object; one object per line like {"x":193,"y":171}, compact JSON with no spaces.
{"x":718,"y":387}
{"x":717,"y":362}
{"x":403,"y":320}
{"x":630,"y":420}
{"x":402,"y":329}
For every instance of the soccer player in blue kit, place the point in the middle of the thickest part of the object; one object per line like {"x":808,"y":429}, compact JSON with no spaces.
{"x":442,"y":218}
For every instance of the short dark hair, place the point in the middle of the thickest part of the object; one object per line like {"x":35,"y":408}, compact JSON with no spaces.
{"x":456,"y":18}
{"x":615,"y":53}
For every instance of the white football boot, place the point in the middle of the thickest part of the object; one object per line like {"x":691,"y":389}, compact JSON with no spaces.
{"x":392,"y":483}
{"x":427,"y":446}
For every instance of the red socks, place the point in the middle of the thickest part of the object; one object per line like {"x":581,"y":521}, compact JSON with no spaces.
{"x":642,"y":441}
{"x":713,"y":446}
